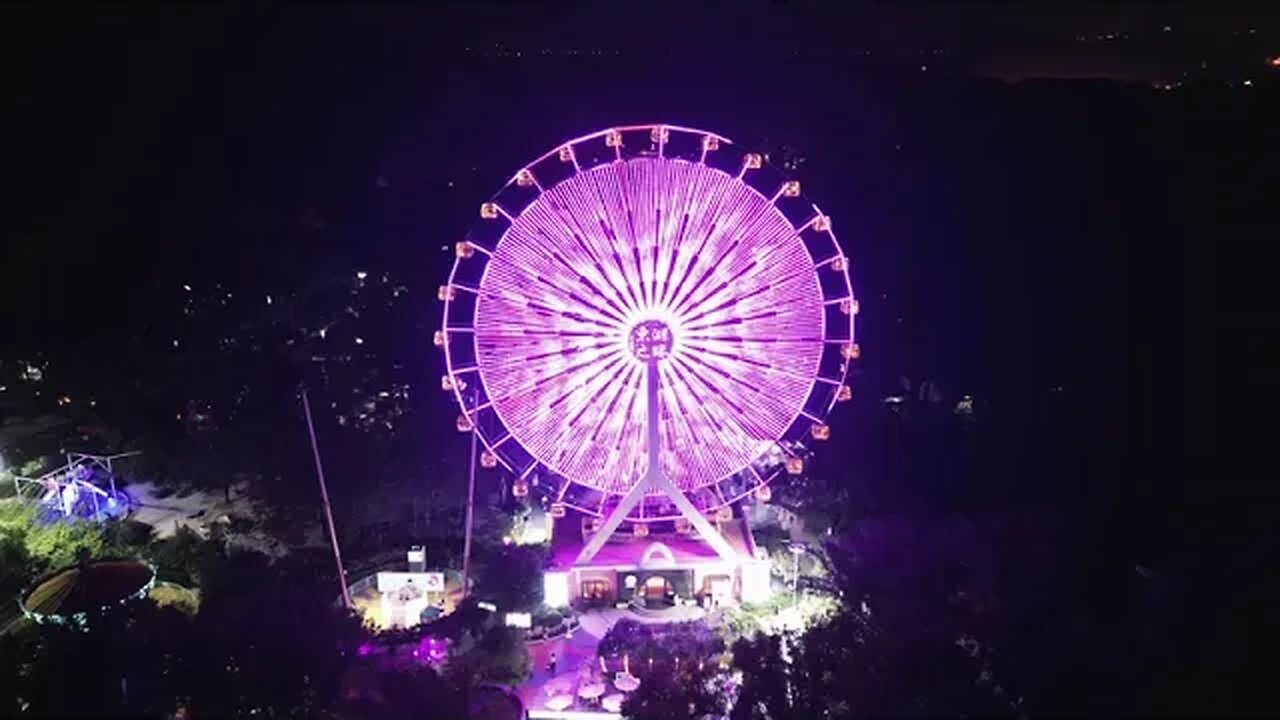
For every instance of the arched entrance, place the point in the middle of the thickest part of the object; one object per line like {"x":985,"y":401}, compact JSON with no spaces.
{"x":655,"y":587}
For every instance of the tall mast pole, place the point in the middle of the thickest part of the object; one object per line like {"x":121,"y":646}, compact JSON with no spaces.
{"x":324,"y":496}
{"x":651,"y":395}
{"x":471,"y":495}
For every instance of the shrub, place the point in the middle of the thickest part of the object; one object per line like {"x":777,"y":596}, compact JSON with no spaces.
{"x":548,"y":618}
{"x":127,"y":537}
{"x":664,"y":644}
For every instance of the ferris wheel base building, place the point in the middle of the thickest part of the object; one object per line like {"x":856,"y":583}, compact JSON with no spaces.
{"x":659,"y":569}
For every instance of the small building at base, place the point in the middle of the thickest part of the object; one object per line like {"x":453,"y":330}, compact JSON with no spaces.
{"x":662,"y":566}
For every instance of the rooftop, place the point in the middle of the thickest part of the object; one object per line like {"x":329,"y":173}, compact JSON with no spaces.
{"x":689,"y":549}
{"x":89,"y":587}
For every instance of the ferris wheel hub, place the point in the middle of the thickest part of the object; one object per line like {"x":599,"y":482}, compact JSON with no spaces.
{"x":651,"y":341}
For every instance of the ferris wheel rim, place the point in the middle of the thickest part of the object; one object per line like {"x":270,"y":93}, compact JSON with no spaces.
{"x":537,"y":462}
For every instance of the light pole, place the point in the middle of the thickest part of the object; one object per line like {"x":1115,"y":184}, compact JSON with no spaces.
{"x":471,"y":493}
{"x":17,"y":489}
{"x":797,"y":549}
{"x":324,"y":497}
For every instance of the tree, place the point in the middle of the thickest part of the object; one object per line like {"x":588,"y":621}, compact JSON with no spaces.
{"x":127,"y":538}
{"x":58,"y":544}
{"x":365,"y":692}
{"x":511,"y":576}
{"x":16,"y":565}
{"x":178,"y":557}
{"x":765,"y":679}
{"x":691,"y":692}
{"x":664,"y":645}
{"x":267,"y":639}
{"x":489,"y":653}
{"x":264,"y":641}
{"x":130,"y":662}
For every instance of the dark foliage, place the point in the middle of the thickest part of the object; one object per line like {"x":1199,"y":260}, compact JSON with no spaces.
{"x":510,"y":576}
{"x":660,"y":645}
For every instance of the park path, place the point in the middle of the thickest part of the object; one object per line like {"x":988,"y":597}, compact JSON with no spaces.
{"x":575,"y":651}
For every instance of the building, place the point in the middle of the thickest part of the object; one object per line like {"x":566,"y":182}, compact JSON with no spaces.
{"x":658,"y":566}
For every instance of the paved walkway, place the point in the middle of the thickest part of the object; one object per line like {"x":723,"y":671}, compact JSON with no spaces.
{"x":574,"y":656}
{"x":167,"y":514}
{"x":577,"y":655}
{"x":599,"y":622}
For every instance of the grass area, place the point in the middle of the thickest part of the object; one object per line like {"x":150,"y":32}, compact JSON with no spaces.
{"x":166,"y":594}
{"x":780,"y":613}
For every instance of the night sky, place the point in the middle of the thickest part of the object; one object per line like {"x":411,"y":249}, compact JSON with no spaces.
{"x":1009,"y":239}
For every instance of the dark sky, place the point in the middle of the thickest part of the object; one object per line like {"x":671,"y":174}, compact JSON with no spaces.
{"x":100,"y":105}
{"x":141,"y":146}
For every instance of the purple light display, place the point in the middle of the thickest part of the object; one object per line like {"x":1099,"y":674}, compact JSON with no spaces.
{"x":652,"y":255}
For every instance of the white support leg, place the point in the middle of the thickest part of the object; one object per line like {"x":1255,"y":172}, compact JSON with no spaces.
{"x":654,"y":478}
{"x":611,"y":523}
{"x":698,"y":520}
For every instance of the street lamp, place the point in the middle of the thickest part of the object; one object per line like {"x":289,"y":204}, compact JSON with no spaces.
{"x":471,"y":493}
{"x":797,"y":549}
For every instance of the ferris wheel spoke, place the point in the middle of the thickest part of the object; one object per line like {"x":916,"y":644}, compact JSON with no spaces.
{"x":731,"y":302}
{"x":539,"y":286}
{"x":794,"y":361}
{"x":665,"y":269}
{"x":547,"y":406}
{"x":526,"y":359}
{"x":610,"y":308}
{"x":609,"y":211}
{"x":747,"y":341}
{"x":635,"y":222}
{"x":520,"y":300}
{"x":742,"y":391}
{"x":791,"y":287}
{"x":591,"y":234}
{"x":619,"y":264}
{"x":709,"y":395}
{"x":665,"y":222}
{"x":727,"y":429}
{"x":586,"y":415}
{"x":773,"y":366}
{"x":554,"y":223}
{"x":669,"y":201}
{"x":689,"y":268}
{"x":561,"y":352}
{"x":778,"y":316}
{"x":771,"y":317}
{"x":583,"y":397}
{"x":680,"y":306}
{"x":568,"y":381}
{"x":703,"y":223}
{"x":539,"y":309}
{"x":696,"y":416}
{"x":603,"y":424}
{"x":749,"y":274}
{"x":627,"y":387}
{"x":618,"y":312}
{"x":724,"y":267}
{"x":561,"y":333}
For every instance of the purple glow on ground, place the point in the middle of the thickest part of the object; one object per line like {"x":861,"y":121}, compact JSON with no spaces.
{"x":432,"y":650}
{"x":649,"y":239}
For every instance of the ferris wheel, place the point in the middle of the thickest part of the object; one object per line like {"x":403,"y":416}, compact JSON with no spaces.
{"x":648,"y":324}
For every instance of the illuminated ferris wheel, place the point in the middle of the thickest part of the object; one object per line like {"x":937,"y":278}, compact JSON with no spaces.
{"x":648,"y":322}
